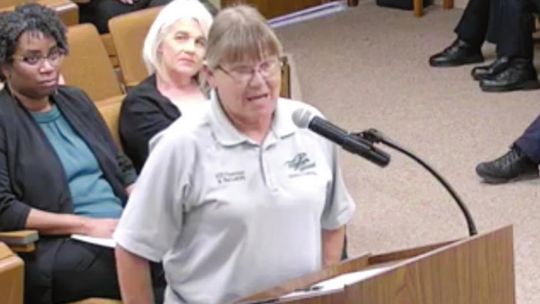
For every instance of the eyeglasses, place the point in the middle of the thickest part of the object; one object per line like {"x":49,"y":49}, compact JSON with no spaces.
{"x":54,"y":58}
{"x":243,"y":74}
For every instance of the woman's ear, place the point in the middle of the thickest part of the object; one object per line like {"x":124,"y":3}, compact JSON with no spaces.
{"x":159,"y":54}
{"x":208,"y":75}
{"x":5,"y":70}
{"x":159,"y":49}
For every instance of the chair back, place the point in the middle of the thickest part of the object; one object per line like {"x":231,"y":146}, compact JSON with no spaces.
{"x":128,"y":32}
{"x":110,"y":111}
{"x":88,"y":66}
{"x":11,"y":276}
{"x":111,"y":50}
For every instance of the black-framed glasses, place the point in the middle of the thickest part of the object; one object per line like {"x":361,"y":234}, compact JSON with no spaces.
{"x":54,"y":58}
{"x":243,"y":74}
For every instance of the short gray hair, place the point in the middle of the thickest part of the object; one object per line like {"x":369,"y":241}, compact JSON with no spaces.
{"x":169,"y":15}
{"x":240,"y":32}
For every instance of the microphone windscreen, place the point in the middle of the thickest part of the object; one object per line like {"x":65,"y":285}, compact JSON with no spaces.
{"x":302,"y":117}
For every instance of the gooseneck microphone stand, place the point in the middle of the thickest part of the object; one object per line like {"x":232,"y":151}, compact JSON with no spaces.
{"x":374,"y":136}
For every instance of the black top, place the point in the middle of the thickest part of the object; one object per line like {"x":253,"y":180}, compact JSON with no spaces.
{"x":145,"y":112}
{"x":32,"y":176}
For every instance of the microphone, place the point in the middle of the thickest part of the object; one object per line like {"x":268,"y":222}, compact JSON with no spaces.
{"x":303,"y":118}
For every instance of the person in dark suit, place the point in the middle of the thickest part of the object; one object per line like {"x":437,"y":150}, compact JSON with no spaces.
{"x":509,"y":24}
{"x":521,"y":162}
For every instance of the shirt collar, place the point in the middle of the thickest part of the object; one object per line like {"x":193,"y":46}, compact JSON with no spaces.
{"x":283,"y":124}
{"x":47,"y":117}
{"x":227,"y":135}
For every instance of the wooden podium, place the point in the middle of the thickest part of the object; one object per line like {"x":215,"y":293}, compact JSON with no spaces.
{"x":475,"y":270}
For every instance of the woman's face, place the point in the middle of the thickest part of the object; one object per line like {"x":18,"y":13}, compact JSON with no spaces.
{"x":183,"y":47}
{"x":34,"y":71}
{"x":248,"y":90}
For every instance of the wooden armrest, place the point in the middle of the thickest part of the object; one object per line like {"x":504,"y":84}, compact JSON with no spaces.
{"x":21,"y":240}
{"x":108,"y":43}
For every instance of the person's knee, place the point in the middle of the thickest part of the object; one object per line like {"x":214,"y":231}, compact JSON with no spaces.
{"x":95,"y":268}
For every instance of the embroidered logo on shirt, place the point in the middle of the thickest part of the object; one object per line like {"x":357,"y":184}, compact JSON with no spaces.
{"x":301,"y":164}
{"x":229,"y":177}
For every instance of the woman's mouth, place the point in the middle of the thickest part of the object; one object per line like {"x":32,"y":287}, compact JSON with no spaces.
{"x":49,"y":83}
{"x":186,"y":60}
{"x":257,"y":97}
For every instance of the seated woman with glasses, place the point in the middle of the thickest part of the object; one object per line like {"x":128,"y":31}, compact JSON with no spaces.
{"x":173,"y":52}
{"x":60,"y":170}
{"x":242,"y":199}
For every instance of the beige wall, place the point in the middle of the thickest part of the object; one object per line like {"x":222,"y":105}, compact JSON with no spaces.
{"x":457,"y":3}
{"x":217,"y":3}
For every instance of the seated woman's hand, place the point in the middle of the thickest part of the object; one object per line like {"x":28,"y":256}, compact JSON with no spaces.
{"x":102,"y":228}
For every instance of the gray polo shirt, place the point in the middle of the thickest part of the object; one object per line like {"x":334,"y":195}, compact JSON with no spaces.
{"x":230,"y":217}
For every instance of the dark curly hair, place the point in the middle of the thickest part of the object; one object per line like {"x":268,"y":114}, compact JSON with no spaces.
{"x":30,"y":17}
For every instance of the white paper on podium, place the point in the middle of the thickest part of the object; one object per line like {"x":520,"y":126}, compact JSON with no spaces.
{"x":335,"y":284}
{"x":105,"y":242}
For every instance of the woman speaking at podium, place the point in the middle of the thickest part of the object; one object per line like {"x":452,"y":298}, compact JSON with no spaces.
{"x":234,"y":198}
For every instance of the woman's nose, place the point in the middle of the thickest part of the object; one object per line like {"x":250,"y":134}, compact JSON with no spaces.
{"x":46,"y":66}
{"x":189,"y":46}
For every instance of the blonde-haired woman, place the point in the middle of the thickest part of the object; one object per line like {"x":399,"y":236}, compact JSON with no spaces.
{"x":235,"y":198}
{"x":173,"y":52}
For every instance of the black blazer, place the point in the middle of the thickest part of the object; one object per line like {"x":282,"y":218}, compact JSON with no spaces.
{"x":32,"y":176}
{"x":145,"y":112}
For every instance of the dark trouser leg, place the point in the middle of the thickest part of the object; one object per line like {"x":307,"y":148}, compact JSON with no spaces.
{"x":516,"y":28}
{"x":493,"y":28}
{"x":158,"y":281}
{"x":473,"y":24}
{"x":87,"y":271}
{"x":84,"y":271}
{"x":37,"y":280}
{"x":529,"y":141}
{"x":344,"y":254}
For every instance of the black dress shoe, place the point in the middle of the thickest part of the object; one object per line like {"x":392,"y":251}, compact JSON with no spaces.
{"x":487,"y":71}
{"x":519,"y":75}
{"x":459,"y":53}
{"x":514,"y":165}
